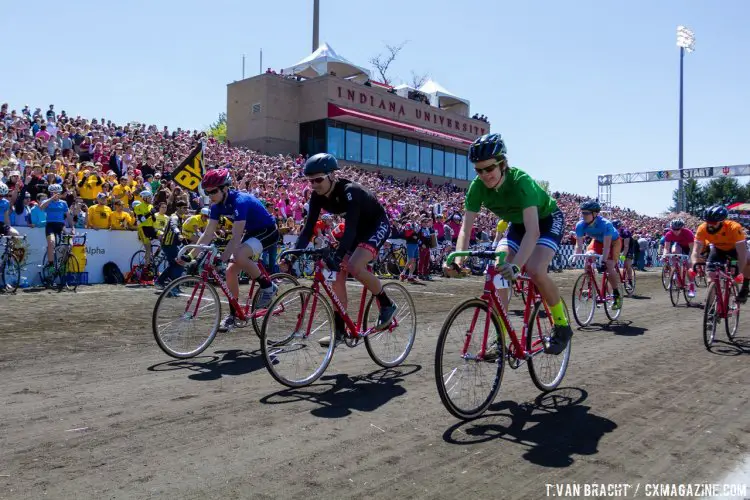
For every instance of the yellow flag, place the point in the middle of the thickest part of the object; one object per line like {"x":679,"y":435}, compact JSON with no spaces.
{"x":191,"y":170}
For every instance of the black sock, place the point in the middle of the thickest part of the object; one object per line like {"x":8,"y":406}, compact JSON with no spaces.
{"x":263,"y":282}
{"x":383,"y":299}
{"x":616,"y":292}
{"x":232,"y":310}
{"x":338,"y":322}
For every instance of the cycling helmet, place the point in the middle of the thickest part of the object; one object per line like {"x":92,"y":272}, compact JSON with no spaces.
{"x":677,"y":224}
{"x":327,"y":217}
{"x":136,"y":203}
{"x":717,"y":213}
{"x":146,"y":194}
{"x":321,"y":163}
{"x":55,"y":188}
{"x":205,"y":211}
{"x":216,"y":178}
{"x":101,"y":196}
{"x":3,"y":189}
{"x":591,"y":205}
{"x":487,"y":147}
{"x":617,"y":223}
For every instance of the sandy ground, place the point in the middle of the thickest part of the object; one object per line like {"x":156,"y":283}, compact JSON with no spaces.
{"x":91,"y":408}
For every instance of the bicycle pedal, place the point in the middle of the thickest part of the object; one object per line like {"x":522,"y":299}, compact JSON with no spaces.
{"x":351,"y":342}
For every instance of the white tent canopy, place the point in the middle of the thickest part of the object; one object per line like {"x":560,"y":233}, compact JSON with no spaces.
{"x":440,"y":97}
{"x":403,"y":90}
{"x":324,"y":61}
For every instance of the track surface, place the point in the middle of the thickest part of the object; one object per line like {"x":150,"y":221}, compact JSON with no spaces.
{"x":91,"y":408}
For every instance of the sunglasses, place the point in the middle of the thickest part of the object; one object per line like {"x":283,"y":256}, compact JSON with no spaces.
{"x":317,"y":180}
{"x":583,"y":212}
{"x":211,"y":192}
{"x":486,"y":170}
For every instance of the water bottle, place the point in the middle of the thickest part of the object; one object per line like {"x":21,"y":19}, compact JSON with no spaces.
{"x":24,"y":282}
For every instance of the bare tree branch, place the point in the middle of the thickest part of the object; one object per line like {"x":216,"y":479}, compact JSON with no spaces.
{"x":418,"y":80}
{"x":382,"y":62}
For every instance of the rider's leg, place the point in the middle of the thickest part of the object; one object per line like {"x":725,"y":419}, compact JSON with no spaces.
{"x":536,"y":267}
{"x":357,"y":266}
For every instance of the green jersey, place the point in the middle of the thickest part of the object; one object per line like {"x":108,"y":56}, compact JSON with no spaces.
{"x":518,"y":192}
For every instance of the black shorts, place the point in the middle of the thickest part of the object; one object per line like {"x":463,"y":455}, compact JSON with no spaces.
{"x":372,"y":240}
{"x":717,"y":258}
{"x":550,"y":232}
{"x":631,"y":249}
{"x":4,"y":230}
{"x":55,"y":228}
{"x":268,"y":236}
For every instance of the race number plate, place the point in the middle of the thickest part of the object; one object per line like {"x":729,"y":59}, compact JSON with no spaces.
{"x":329,"y":275}
{"x":500,"y":282}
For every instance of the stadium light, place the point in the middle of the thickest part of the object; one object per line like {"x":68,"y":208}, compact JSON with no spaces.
{"x":686,"y":43}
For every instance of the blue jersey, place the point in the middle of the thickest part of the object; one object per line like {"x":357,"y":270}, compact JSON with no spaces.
{"x":56,"y":211}
{"x":4,"y":207}
{"x":239,"y":206}
{"x":599,"y":229}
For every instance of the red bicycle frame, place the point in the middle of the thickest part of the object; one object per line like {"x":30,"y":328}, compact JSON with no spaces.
{"x":723,"y":281}
{"x":589,"y":269}
{"x":678,"y":268}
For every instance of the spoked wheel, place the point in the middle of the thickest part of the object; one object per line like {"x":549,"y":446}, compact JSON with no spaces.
{"x":139,"y":257}
{"x":666,"y":277}
{"x":284,"y":282}
{"x":584,"y":300}
{"x":710,"y":317}
{"x":466,"y":385}
{"x":11,"y":274}
{"x":630,"y":284}
{"x":547,"y":370}
{"x":686,"y":293}
{"x":68,"y":273}
{"x":732,"y":319}
{"x":700,"y":278}
{"x":612,"y":313}
{"x":289,"y":339}
{"x":674,"y":290}
{"x":186,"y":317}
{"x":391,"y":346}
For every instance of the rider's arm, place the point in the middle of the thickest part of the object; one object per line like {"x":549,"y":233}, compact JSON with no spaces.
{"x":462,"y":243}
{"x":695,"y":254}
{"x":530,"y":238}
{"x":351,"y":220}
{"x":207,"y":236}
{"x":312,"y":217}
{"x":742,"y":262}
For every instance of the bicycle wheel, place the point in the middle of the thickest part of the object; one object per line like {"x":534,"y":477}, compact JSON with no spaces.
{"x":584,"y":300}
{"x":284,"y":282}
{"x":69,"y":273}
{"x":547,"y":370}
{"x":612,"y":314}
{"x":138,"y":259}
{"x":391,"y":346}
{"x":11,"y":274}
{"x":289,"y":340}
{"x":463,"y":330}
{"x":732,"y":319}
{"x":674,"y":289}
{"x":666,"y":277}
{"x":186,"y":317}
{"x":710,"y":317}
{"x":700,"y":279}
{"x":633,"y":282}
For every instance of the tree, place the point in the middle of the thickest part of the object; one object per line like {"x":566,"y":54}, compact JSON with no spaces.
{"x":544,"y":185}
{"x":218,"y":129}
{"x":417,"y":80}
{"x":724,"y":190}
{"x":382,"y":62}
{"x":695,"y":198}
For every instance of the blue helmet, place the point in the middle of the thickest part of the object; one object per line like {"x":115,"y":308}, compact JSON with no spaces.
{"x":321,"y":163}
{"x":487,"y":147}
{"x":591,"y":206}
{"x":717,"y":213}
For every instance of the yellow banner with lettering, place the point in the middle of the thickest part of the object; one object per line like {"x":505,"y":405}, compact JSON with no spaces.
{"x":191,"y":170}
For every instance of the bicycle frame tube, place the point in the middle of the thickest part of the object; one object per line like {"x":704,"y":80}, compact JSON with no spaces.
{"x":491,"y":295}
{"x":320,"y":281}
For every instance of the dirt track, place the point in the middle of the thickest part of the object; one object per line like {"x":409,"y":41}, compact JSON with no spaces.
{"x":91,"y":408}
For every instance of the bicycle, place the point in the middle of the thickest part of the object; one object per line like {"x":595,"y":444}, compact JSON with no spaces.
{"x":721,"y":303}
{"x":700,"y":275}
{"x":158,"y":263}
{"x":292,"y":336}
{"x":666,"y":276}
{"x":587,"y":290}
{"x":65,"y":269}
{"x":204,"y":299}
{"x":628,"y":284}
{"x":10,"y":264}
{"x":678,"y":282}
{"x":482,"y":378}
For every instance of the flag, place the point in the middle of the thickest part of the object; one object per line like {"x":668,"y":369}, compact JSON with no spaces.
{"x":191,"y":170}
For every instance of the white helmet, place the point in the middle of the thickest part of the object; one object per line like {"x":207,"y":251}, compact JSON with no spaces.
{"x":3,"y":189}
{"x":146,"y":194}
{"x":55,"y":188}
{"x":205,"y":211}
{"x":136,"y":203}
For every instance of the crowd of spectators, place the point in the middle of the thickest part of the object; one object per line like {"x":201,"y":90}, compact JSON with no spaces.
{"x":483,"y":118}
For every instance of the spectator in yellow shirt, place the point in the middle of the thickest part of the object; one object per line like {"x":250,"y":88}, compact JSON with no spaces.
{"x":161,"y":218}
{"x":119,"y":220}
{"x":123,"y":190}
{"x":98,"y":214}
{"x":90,"y":186}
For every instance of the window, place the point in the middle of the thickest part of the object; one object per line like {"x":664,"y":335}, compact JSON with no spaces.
{"x":336,"y":135}
{"x":312,"y":137}
{"x":385,"y":156}
{"x":460,"y":164}
{"x":399,"y":153}
{"x":412,"y":155}
{"x":425,"y":157}
{"x":450,"y":163}
{"x":369,"y":146}
{"x":353,"y":143}
{"x":438,"y":160}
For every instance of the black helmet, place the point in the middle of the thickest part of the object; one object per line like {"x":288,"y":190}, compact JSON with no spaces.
{"x":717,"y":213}
{"x":591,"y":205}
{"x":321,"y":163}
{"x":616,"y":223}
{"x":677,"y":224}
{"x":487,"y":147}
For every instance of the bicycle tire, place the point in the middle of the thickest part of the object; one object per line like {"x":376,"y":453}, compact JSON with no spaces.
{"x":69,"y":274}
{"x":666,"y":277}
{"x":174,"y":286}
{"x":277,"y":279}
{"x":11,"y":268}
{"x":710,"y":317}
{"x":372,"y":339}
{"x":674,"y":290}
{"x":531,"y":343}
{"x":274,"y":347}
{"x":584,"y":279}
{"x":733,"y":312}
{"x":450,"y":405}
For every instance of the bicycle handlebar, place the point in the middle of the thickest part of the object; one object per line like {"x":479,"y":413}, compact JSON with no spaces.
{"x":586,"y":255}
{"x":315,"y":252}
{"x":182,"y":251}
{"x":681,"y":256}
{"x":482,"y":254}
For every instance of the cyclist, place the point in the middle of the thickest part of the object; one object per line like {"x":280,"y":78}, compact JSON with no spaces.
{"x":681,"y":238}
{"x":57,"y":214}
{"x":253,"y":231}
{"x":606,"y":242}
{"x":535,"y":228}
{"x":366,"y":229}
{"x":628,"y":248}
{"x":322,"y":231}
{"x":145,"y":216}
{"x":727,"y":239}
{"x":194,"y":225}
{"x":5,"y":229}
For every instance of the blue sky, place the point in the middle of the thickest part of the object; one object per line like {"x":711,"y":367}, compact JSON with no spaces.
{"x":577,"y":88}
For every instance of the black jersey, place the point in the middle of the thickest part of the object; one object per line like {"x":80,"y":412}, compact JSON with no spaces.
{"x":362,"y":213}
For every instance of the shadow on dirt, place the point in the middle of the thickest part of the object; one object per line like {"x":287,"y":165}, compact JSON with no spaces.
{"x":737,"y":348}
{"x":625,"y":328}
{"x":221,"y":363}
{"x":337,"y":395}
{"x":554,"y":428}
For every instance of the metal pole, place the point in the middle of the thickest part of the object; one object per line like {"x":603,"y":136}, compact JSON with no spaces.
{"x":243,"y":66}
{"x":680,"y":188}
{"x":316,"y":20}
